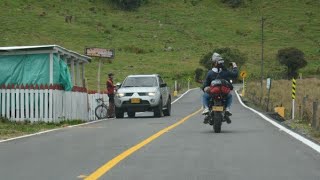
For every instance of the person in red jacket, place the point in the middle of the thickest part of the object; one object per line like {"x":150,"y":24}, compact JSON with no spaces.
{"x":110,"y":91}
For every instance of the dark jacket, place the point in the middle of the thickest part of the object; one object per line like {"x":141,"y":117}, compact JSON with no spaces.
{"x":224,"y":74}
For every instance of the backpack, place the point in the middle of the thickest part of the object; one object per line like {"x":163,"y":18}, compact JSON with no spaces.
{"x":220,"y":86}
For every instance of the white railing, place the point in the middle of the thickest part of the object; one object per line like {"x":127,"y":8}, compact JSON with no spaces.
{"x":48,"y":104}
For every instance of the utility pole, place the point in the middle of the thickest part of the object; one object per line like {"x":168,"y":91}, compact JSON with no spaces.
{"x":262,"y":44}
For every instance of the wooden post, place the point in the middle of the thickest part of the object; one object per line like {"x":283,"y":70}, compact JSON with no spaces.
{"x":83,"y":76}
{"x":175,"y":92}
{"x":72,"y":72}
{"x":99,"y":67}
{"x":78,"y":78}
{"x":51,"y":69}
{"x":315,"y":123}
{"x":303,"y":108}
{"x":300,"y":111}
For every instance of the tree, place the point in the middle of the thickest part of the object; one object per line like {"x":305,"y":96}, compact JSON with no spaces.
{"x":293,"y":58}
{"x":229,"y":55}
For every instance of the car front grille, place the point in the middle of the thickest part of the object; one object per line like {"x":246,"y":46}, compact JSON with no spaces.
{"x":142,"y":94}
{"x":141,"y":102}
{"x":128,"y":94}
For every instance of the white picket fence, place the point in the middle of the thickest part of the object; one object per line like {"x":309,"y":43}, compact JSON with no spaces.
{"x":48,"y":105}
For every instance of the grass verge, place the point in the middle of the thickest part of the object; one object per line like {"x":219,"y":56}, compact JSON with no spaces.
{"x":10,"y":129}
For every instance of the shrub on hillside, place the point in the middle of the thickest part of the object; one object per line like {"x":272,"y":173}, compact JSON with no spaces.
{"x":128,"y":4}
{"x":228,"y":55}
{"x":198,"y":75}
{"x":293,"y":58}
{"x":233,"y":3}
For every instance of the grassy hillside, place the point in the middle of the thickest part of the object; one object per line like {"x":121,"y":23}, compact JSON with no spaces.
{"x":141,"y":37}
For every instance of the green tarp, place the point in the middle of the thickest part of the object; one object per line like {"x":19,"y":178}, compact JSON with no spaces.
{"x":33,"y":69}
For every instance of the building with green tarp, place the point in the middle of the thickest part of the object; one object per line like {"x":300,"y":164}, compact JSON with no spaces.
{"x":42,"y":65}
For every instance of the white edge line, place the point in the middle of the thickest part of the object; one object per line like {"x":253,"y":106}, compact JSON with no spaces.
{"x":282,"y":128}
{"x":183,"y":95}
{"x":57,"y":129}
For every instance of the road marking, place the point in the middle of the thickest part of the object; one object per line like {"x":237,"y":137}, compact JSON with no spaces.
{"x":109,"y":165}
{"x":282,"y":128}
{"x":82,"y":176}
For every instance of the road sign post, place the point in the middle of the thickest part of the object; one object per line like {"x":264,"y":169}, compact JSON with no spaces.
{"x":243,"y":74}
{"x":293,"y":95}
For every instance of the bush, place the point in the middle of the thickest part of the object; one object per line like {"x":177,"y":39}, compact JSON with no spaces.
{"x":228,"y":55}
{"x":198,"y":75}
{"x":293,"y":58}
{"x":128,"y":4}
{"x":233,"y":3}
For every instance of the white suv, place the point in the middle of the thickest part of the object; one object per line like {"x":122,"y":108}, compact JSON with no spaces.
{"x":139,"y":93}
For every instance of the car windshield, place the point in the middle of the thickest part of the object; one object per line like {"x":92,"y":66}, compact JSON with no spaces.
{"x":140,"y":82}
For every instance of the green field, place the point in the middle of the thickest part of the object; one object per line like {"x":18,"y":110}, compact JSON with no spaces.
{"x":140,"y":38}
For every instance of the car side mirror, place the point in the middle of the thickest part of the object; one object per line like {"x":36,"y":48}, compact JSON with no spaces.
{"x":118,"y":85}
{"x":163,"y":85}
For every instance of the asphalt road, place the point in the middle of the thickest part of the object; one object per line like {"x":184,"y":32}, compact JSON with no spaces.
{"x":248,"y":149}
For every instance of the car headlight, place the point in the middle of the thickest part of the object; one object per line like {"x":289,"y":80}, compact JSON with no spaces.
{"x":120,"y":94}
{"x":151,"y":94}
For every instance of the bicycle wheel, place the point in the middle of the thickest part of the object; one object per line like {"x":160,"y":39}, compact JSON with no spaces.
{"x":101,"y":112}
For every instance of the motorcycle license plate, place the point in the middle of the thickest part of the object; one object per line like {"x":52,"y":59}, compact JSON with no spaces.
{"x":135,"y":100}
{"x":217,"y":108}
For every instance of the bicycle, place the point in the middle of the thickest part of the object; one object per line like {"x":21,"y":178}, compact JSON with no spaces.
{"x":101,"y":110}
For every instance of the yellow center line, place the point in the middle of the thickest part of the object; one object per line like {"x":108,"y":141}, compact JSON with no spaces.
{"x":106,"y":167}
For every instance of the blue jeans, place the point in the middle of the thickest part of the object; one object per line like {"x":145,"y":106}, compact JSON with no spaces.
{"x":206,"y":99}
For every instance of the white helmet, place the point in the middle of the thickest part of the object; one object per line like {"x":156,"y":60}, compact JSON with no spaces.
{"x":217,"y":58}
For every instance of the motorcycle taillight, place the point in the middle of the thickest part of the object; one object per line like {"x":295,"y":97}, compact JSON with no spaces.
{"x":217,"y":97}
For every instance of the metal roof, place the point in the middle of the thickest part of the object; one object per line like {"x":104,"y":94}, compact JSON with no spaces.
{"x":58,"y":49}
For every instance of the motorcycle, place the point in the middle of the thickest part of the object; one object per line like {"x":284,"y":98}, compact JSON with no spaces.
{"x":217,"y":105}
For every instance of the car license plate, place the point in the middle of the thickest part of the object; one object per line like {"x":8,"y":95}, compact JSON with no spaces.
{"x":135,"y":100}
{"x":217,"y":108}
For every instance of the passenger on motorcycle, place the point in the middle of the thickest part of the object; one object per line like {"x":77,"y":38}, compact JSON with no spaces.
{"x":218,"y":71}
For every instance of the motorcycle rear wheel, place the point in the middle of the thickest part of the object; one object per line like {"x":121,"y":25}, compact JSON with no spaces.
{"x":217,"y":122}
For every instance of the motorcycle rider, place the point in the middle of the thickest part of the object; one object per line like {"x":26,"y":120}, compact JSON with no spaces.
{"x":218,"y":71}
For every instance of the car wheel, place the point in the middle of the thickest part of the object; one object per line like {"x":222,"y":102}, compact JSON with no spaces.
{"x":158,"y":110}
{"x":167,"y":111}
{"x":131,"y":114}
{"x":119,"y":113}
